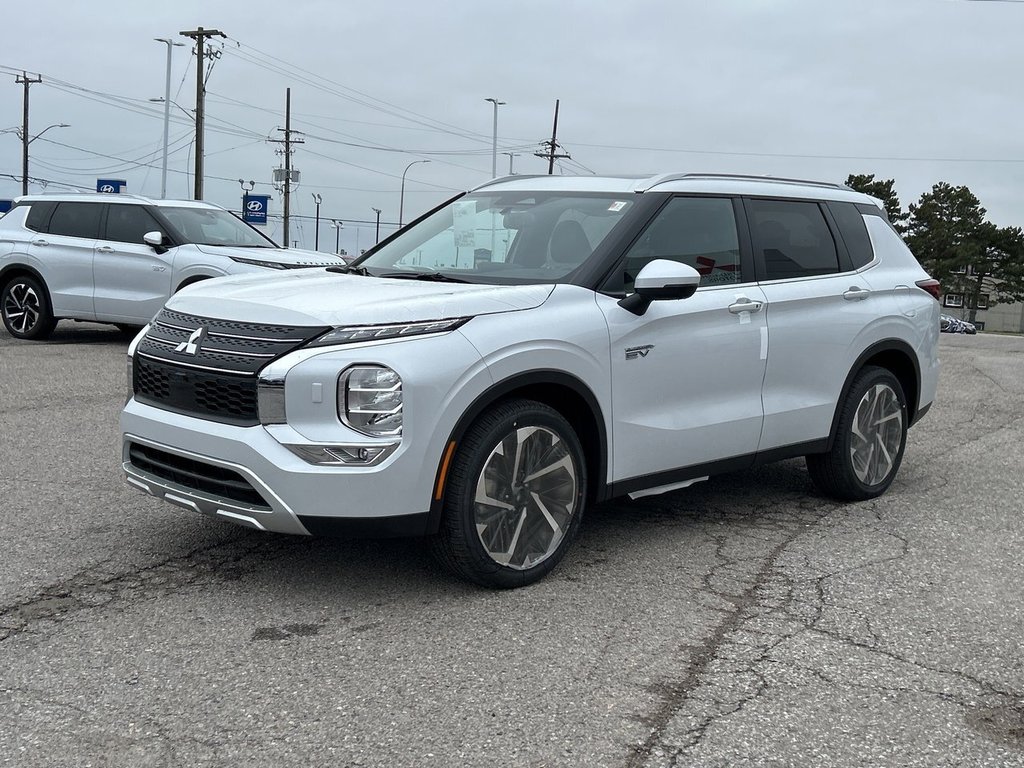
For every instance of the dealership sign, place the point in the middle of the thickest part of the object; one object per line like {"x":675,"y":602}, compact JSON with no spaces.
{"x":254,"y":208}
{"x":112,"y":186}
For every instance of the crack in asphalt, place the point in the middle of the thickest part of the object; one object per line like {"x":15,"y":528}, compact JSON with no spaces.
{"x":93,"y":587}
{"x":727,"y":671}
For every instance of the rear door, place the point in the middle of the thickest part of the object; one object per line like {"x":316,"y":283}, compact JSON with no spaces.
{"x":62,"y":247}
{"x":132,"y":280}
{"x":817,"y":307}
{"x":686,"y":375}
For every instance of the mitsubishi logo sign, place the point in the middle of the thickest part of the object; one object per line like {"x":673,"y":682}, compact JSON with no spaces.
{"x":191,"y":347}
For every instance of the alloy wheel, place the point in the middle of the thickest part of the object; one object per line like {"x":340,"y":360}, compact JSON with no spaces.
{"x":876,"y":434}
{"x":21,"y":307}
{"x":526,"y":496}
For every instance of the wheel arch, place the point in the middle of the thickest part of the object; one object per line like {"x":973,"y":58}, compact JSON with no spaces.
{"x":24,"y":270}
{"x":190,"y":280}
{"x":898,"y":358}
{"x":559,"y":390}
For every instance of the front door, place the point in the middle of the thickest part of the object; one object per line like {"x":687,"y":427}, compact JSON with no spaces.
{"x":686,"y":375}
{"x":132,"y":280}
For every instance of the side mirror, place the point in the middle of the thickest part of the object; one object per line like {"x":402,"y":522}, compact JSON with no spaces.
{"x":155,"y":239}
{"x":661,"y":280}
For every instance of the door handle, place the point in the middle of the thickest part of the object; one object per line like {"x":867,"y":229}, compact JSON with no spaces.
{"x":104,"y":249}
{"x":40,"y":242}
{"x":855,"y":293}
{"x":743,"y":304}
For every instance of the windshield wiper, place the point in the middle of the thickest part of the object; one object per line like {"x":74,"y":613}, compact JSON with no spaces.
{"x":344,"y":269}
{"x":434,"y":277}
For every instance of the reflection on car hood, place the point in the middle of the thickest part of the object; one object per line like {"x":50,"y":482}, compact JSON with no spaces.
{"x":318,"y":297}
{"x":292,"y":256}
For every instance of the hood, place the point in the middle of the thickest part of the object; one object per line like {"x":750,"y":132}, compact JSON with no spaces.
{"x":292,"y":256}
{"x":318,"y":297}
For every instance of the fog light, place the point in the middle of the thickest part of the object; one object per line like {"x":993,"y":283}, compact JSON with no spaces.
{"x":370,"y":400}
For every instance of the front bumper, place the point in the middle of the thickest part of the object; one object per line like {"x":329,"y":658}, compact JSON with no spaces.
{"x":245,"y":476}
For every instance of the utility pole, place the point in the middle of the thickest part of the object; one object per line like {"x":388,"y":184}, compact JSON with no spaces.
{"x":200,"y":35}
{"x":287,"y":141}
{"x":377,"y":211}
{"x":552,"y":146}
{"x":511,"y":156}
{"x":26,"y":81}
{"x":317,"y":199}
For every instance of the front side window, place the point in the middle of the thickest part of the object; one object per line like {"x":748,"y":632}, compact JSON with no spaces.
{"x":128,"y":223}
{"x":698,"y":231}
{"x":76,"y":220}
{"x":213,"y":226}
{"x":792,"y":238}
{"x":503,"y":237}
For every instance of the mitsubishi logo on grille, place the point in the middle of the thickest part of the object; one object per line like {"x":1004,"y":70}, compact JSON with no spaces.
{"x":195,"y":341}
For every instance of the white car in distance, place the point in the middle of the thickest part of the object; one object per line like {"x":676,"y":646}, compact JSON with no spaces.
{"x":117,"y":258}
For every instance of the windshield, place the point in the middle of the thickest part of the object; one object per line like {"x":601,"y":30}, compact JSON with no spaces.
{"x":213,"y":226}
{"x":503,"y":237}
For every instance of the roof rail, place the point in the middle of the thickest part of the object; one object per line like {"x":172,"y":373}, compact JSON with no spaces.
{"x":745,"y":177}
{"x":509,"y":178}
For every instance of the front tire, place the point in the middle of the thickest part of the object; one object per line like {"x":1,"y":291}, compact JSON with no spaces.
{"x":514,"y":497}
{"x":25,"y":306}
{"x":870,"y":438}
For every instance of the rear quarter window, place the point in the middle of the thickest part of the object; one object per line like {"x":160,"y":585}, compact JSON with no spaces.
{"x":38,"y":219}
{"x":854,"y":233}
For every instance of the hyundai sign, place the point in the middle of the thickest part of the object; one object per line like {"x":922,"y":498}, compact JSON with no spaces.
{"x":254,"y":208}
{"x":5,"y":206}
{"x":112,"y":186}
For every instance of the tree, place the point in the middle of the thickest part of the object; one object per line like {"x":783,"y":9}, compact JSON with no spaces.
{"x":884,"y":191}
{"x":968,"y":255}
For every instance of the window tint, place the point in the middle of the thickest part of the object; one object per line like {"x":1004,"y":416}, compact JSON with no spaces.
{"x":128,"y":223}
{"x":76,"y":220}
{"x":792,"y":238}
{"x":855,"y":234}
{"x":38,"y":218}
{"x":697,"y":231}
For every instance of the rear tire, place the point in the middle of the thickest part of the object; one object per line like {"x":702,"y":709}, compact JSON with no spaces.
{"x":514,"y":496}
{"x":870,"y":438}
{"x":25,"y":306}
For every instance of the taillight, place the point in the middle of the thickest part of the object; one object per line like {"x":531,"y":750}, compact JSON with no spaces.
{"x":931,"y":286}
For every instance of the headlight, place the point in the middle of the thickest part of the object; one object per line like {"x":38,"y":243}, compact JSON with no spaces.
{"x":258,"y":263}
{"x":370,"y":400}
{"x":353,"y":333}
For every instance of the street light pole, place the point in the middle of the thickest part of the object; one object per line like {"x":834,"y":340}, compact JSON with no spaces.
{"x":317,"y":200}
{"x":494,"y":143}
{"x":167,"y":110}
{"x":510,"y":156}
{"x":25,"y":141}
{"x":377,"y":211}
{"x":401,"y":199}
{"x":338,"y":225}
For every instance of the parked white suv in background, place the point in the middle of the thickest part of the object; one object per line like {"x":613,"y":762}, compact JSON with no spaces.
{"x":535,"y":346}
{"x":117,"y":258}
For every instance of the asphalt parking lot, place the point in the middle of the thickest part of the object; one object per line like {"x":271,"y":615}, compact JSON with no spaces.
{"x":744,"y":621}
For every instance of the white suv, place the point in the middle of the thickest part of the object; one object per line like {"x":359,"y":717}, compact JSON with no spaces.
{"x":535,"y":346}
{"x":117,"y":258}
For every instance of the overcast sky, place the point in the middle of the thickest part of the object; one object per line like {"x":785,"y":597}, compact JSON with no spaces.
{"x":920,"y":91}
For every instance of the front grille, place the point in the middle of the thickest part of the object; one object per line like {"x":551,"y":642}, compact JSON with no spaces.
{"x":197,"y":475}
{"x":213,"y":373}
{"x":211,"y":395}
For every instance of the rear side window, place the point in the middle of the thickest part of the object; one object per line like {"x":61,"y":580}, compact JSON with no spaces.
{"x":855,"y":234}
{"x":128,"y":223}
{"x":76,"y":220}
{"x":39,"y":214}
{"x":792,"y":239}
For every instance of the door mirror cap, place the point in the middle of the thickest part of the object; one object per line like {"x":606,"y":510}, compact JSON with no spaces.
{"x":661,"y":279}
{"x":156,"y":239}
